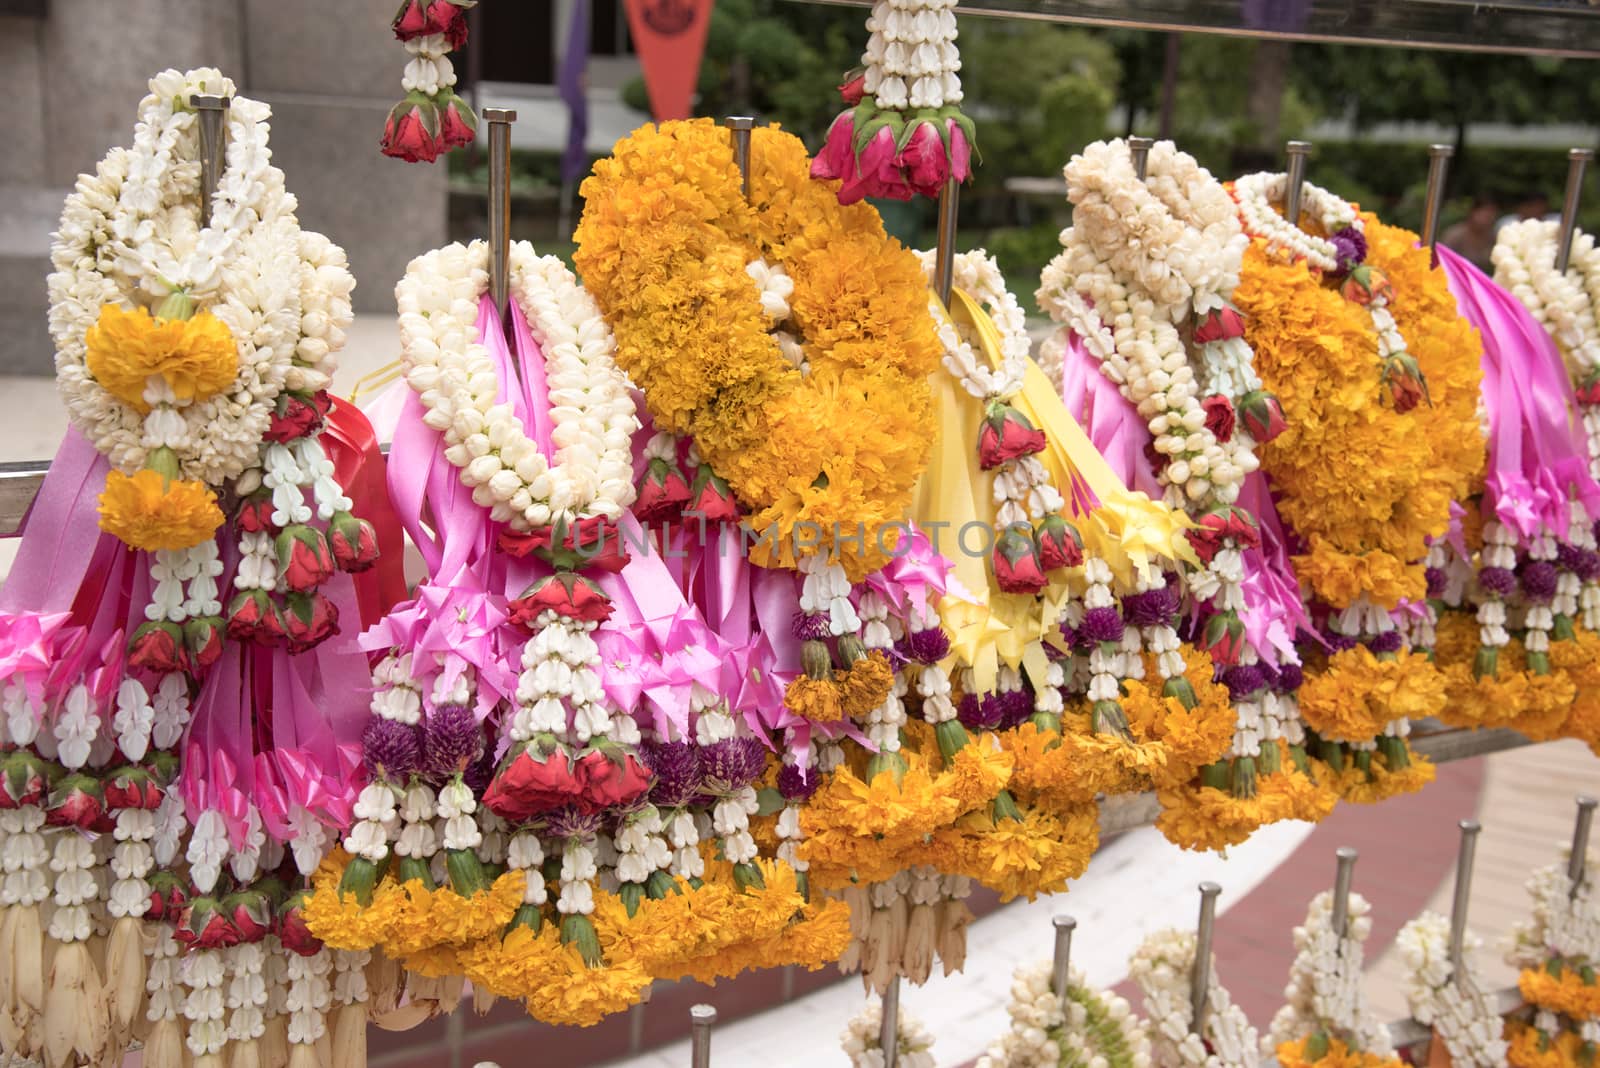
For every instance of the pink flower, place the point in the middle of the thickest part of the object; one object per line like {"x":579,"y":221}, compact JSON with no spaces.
{"x":457,"y":123}
{"x":132,"y":787}
{"x":169,"y":896}
{"x":204,"y":925}
{"x":960,"y":153}
{"x":304,"y":559}
{"x":24,"y":779}
{"x":250,"y":914}
{"x":874,"y":173}
{"x":422,"y":18}
{"x":412,"y":131}
{"x":925,"y":160}
{"x":78,"y":801}
{"x":1221,"y":324}
{"x":291,"y":926}
{"x":853,"y":89}
{"x":662,"y":494}
{"x":837,"y":158}
{"x":1219,"y":417}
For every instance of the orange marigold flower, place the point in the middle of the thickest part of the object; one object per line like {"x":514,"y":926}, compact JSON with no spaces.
{"x":196,"y":357}
{"x":148,"y":512}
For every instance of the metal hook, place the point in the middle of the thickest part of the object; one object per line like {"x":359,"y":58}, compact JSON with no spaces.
{"x":1200,"y":978}
{"x":500,"y":120}
{"x":1458,"y":907}
{"x":1580,"y":843}
{"x":1059,"y":973}
{"x":701,"y":1017}
{"x":213,"y":116}
{"x":1341,"y":890}
{"x":944,"y":263}
{"x":1299,"y":152}
{"x":742,"y":126}
{"x":1577,"y":162}
{"x":889,"y":1026}
{"x":1438,"y":169}
{"x":1139,"y":148}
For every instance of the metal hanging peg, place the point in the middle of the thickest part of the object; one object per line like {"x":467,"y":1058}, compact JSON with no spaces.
{"x":213,"y":115}
{"x":1059,"y":971}
{"x":889,"y":1025}
{"x":701,"y":1017}
{"x":944,"y":263}
{"x":1139,"y":148}
{"x":1294,"y":189}
{"x":500,"y":120}
{"x":1341,"y":890}
{"x":742,"y":126}
{"x":1458,"y":906}
{"x":1578,"y":160}
{"x":1580,"y":843}
{"x":1200,"y":978}
{"x":1438,"y":169}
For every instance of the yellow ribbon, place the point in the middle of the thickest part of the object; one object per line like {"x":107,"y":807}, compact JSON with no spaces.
{"x":376,"y":380}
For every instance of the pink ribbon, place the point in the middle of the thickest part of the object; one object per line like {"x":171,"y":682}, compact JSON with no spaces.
{"x":1115,"y":426}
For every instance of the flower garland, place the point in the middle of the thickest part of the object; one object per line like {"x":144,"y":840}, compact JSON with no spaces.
{"x":593,"y":419}
{"x":1454,"y":1006}
{"x":819,"y":455}
{"x":1082,"y":1027}
{"x":432,"y":120}
{"x":904,"y":132}
{"x":1163,"y":967}
{"x":1325,"y":1017}
{"x":862,"y":1037}
{"x":1556,"y":948}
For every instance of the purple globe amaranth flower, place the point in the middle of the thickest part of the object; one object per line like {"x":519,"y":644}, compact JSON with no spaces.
{"x":733,"y":762}
{"x":809,"y":628}
{"x":1290,"y":677}
{"x":1584,"y":563}
{"x":1069,"y":634}
{"x":1539,"y":580}
{"x":390,"y":749}
{"x":1269,"y":674}
{"x":1349,"y":248}
{"x":1101,"y":625}
{"x":452,"y":741}
{"x":924,"y":646}
{"x":572,"y":822}
{"x":1242,"y":680}
{"x":1387,"y":642}
{"x":980,"y":714}
{"x":1153,"y":608}
{"x":481,"y":773}
{"x":676,"y":766}
{"x":1500,"y":581}
{"x":1339,"y":642}
{"x":1437,"y":581}
{"x":795,"y":784}
{"x":1016,"y":706}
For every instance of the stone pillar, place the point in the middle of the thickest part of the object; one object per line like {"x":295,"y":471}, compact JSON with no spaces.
{"x":331,"y":72}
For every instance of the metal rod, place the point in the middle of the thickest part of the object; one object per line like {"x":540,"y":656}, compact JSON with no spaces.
{"x":213,"y":115}
{"x":1438,"y":169}
{"x":1139,"y":149}
{"x":741,"y":127}
{"x":944,"y":274}
{"x":701,"y":1017}
{"x":1294,"y":187}
{"x":1580,"y":843}
{"x":889,"y":1026}
{"x":500,"y":120}
{"x":1341,"y":889}
{"x":1458,"y":907}
{"x":1577,"y":162}
{"x":1065,"y":925}
{"x":1200,"y":980}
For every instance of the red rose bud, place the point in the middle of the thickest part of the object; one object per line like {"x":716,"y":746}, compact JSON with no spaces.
{"x":1366,"y":284}
{"x":1223,"y":324}
{"x":1589,"y":391}
{"x":249,"y":912}
{"x":295,"y":416}
{"x":132,"y":787}
{"x":662,"y":493}
{"x":564,"y":593}
{"x":1406,"y":385}
{"x":1224,"y":637}
{"x":255,"y":513}
{"x":204,"y":925}
{"x":593,"y":543}
{"x":304,"y":559}
{"x":24,"y":779}
{"x":1016,"y":562}
{"x":412,"y":132}
{"x":712,"y":499}
{"x":169,"y":896}
{"x":420,"y":18}
{"x":202,"y":636}
{"x":1059,"y":544}
{"x":78,"y":801}
{"x":1262,"y":415}
{"x":854,"y":89}
{"x":354,"y":543}
{"x":531,"y":783}
{"x":308,"y":618}
{"x":158,"y":647}
{"x":163,"y":767}
{"x":1219,"y":417}
{"x":458,"y":123}
{"x":611,"y":779}
{"x":291,"y":926}
{"x":253,"y":617}
{"x":1006,"y":435}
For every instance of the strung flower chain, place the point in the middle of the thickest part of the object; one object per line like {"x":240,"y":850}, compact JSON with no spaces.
{"x":861,"y":1039}
{"x":1496,"y":580}
{"x":1086,"y":1027}
{"x":432,"y":119}
{"x":455,"y":378}
{"x":911,"y":58}
{"x":1324,"y":992}
{"x":1454,"y":1006}
{"x":1163,"y":967}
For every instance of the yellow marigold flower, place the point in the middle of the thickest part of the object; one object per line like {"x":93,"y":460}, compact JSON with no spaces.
{"x":815,"y":699}
{"x":345,"y":924}
{"x":1338,"y":1055}
{"x":197,"y":357}
{"x":1202,"y":818}
{"x":1379,"y":783}
{"x":147,"y":512}
{"x":866,"y":685}
{"x":1357,"y":693}
{"x":1530,"y":1049}
{"x":1567,"y":994}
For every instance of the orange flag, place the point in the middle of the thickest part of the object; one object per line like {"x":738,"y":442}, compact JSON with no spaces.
{"x":671,"y":37}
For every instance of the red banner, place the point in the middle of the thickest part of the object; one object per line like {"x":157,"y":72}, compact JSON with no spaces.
{"x":670,"y":36}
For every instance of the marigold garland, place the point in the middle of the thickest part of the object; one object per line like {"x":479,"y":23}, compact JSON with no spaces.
{"x":1377,"y":782}
{"x":1198,"y":817}
{"x":1566,"y":993}
{"x":150,"y":512}
{"x":1364,"y":485}
{"x":1336,"y":1054}
{"x":663,"y":245}
{"x":196,"y":357}
{"x":1357,"y":693}
{"x":1531,"y":1048}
